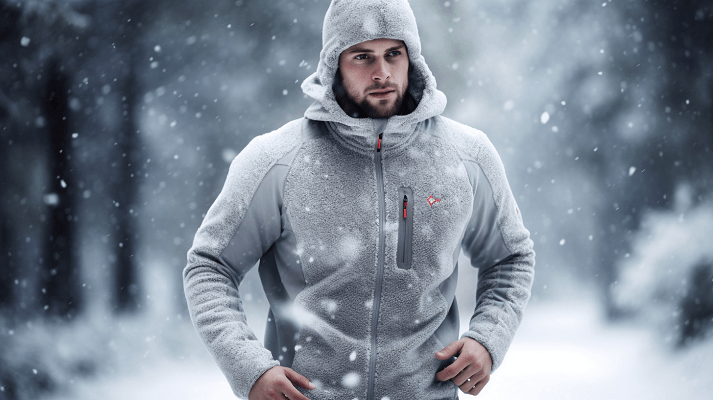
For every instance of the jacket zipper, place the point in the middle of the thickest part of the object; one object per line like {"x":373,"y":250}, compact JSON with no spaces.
{"x":404,"y":248}
{"x":379,"y":268}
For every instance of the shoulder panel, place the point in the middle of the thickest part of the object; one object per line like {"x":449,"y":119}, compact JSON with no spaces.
{"x":246,"y":172}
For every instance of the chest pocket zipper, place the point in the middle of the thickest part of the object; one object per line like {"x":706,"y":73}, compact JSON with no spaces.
{"x":404,"y":248}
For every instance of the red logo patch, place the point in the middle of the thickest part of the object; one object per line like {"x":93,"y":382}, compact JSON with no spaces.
{"x":431,"y":200}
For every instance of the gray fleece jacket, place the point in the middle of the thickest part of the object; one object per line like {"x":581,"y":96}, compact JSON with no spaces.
{"x":358,"y":243}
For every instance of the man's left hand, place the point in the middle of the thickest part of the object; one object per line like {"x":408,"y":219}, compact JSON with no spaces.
{"x":471,"y":371}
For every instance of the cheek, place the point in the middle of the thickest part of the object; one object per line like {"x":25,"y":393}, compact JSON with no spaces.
{"x":354,"y":81}
{"x":350,"y":86}
{"x":403,"y":74}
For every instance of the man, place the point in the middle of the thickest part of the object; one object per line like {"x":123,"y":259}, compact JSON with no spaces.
{"x":357,"y":214}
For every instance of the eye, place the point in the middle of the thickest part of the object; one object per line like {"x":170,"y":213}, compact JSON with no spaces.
{"x":394,"y":53}
{"x":361,"y":57}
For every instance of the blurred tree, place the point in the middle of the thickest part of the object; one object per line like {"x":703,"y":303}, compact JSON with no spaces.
{"x":674,"y":38}
{"x":9,"y":33}
{"x":652,"y":125}
{"x":60,"y":276}
{"x":126,"y":182}
{"x":22,"y":158}
{"x":43,"y":65}
{"x":41,"y":77}
{"x":7,"y":270}
{"x":696,"y":318}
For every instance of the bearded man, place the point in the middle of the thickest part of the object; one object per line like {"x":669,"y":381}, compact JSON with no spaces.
{"x":357,"y":214}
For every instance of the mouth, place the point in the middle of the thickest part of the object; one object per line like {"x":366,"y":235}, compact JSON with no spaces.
{"x":382,"y":94}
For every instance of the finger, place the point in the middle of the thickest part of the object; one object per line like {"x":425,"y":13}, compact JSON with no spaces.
{"x":452,"y":370}
{"x":476,"y":374}
{"x":467,"y":386}
{"x":298,"y":379}
{"x":294,"y":394}
{"x":470,"y":374}
{"x":450,"y":350}
{"x":479,"y":386}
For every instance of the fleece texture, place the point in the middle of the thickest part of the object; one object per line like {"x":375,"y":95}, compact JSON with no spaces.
{"x":319,"y":208}
{"x":211,"y":286}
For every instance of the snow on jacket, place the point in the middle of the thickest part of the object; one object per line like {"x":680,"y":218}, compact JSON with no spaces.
{"x":358,"y":244}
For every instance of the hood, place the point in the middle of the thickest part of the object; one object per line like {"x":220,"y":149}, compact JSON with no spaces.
{"x":347,"y":23}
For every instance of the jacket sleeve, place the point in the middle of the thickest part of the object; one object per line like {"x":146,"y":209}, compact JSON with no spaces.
{"x":500,"y":247}
{"x":238,"y":229}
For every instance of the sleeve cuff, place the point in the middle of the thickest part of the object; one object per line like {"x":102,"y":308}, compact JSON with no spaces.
{"x":496,"y":354}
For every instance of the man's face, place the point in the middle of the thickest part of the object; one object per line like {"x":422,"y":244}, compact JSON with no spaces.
{"x":375,"y":76}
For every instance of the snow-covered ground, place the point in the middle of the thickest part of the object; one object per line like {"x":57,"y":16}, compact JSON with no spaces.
{"x":563,"y":350}
{"x":567,"y":351}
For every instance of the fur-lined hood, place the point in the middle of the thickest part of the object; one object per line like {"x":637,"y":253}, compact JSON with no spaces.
{"x":350,"y":22}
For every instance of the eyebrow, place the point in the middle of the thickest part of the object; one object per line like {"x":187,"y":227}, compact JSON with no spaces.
{"x":365,"y":50}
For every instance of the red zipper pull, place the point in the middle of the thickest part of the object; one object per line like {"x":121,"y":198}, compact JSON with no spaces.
{"x":405,"y":205}
{"x":378,"y":144}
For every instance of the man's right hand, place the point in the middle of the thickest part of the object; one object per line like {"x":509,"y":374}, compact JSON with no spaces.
{"x":278,"y":383}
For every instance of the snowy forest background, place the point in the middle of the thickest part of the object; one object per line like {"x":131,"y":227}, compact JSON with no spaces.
{"x":118,"y":121}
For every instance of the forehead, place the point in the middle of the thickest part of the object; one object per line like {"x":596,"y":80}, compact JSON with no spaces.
{"x":375,"y":45}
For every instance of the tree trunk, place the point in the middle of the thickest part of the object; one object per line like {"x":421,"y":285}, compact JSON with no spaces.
{"x":130,"y":171}
{"x":127,"y":289}
{"x":59,"y":276}
{"x":7,"y":268}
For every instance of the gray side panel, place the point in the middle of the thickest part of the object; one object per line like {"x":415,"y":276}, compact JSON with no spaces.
{"x":279,"y":269}
{"x":211,"y":291}
{"x":280,"y":331}
{"x":261,"y":226}
{"x":498,"y":245}
{"x":483,"y":241}
{"x":285,"y":255}
{"x":447,"y":332}
{"x":270,"y":341}
{"x":471,"y":167}
{"x":288,"y":261}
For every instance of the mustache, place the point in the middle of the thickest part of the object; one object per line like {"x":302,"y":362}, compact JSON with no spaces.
{"x":376,"y":86}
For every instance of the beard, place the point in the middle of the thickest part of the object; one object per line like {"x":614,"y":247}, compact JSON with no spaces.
{"x":381,"y":109}
{"x":363,"y":109}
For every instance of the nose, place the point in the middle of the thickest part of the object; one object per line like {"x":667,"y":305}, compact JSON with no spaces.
{"x":381,"y":70}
